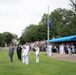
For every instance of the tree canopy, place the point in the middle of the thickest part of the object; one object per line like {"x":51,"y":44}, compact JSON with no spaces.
{"x":63,"y":24}
{"x":6,"y":37}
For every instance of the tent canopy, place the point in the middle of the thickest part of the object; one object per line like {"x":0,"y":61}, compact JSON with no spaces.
{"x":64,"y":39}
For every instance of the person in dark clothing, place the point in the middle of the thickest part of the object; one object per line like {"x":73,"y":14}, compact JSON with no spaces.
{"x":19,"y":49}
{"x":11,"y":52}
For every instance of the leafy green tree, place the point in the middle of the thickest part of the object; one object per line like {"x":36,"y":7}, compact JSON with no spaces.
{"x":22,"y":40}
{"x":29,"y":33}
{"x":62,"y":19}
{"x":7,"y":38}
{"x":73,"y":5}
{"x":1,"y":39}
{"x":63,"y":24}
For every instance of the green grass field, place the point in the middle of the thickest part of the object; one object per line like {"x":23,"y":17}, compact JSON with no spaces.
{"x":46,"y":66}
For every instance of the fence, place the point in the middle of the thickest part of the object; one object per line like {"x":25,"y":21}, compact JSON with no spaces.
{"x":4,"y":48}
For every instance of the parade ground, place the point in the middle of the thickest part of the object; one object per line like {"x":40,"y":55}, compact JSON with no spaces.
{"x":55,"y":65}
{"x":65,"y":57}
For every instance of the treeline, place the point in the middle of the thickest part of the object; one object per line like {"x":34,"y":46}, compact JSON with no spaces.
{"x":6,"y":38}
{"x":63,"y":24}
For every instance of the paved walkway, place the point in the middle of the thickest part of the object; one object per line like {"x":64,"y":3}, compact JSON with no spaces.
{"x":65,"y":57}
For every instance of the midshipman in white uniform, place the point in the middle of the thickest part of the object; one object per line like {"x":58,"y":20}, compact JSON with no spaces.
{"x":73,"y":48}
{"x":62,"y":49}
{"x":37,"y":53}
{"x":49,"y":49}
{"x":69,"y":49}
{"x":25,"y":54}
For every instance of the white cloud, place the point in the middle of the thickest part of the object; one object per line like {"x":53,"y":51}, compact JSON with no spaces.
{"x":15,"y":15}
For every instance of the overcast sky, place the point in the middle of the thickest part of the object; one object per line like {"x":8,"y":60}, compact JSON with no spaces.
{"x":15,"y":15}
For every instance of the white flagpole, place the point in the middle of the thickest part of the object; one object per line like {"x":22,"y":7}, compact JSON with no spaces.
{"x":48,"y":31}
{"x":48,"y":26}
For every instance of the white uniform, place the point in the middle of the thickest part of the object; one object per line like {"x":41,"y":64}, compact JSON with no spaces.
{"x":37,"y":54}
{"x":62,"y":49}
{"x":69,"y":50}
{"x":25,"y":54}
{"x":73,"y":48}
{"x":49,"y":50}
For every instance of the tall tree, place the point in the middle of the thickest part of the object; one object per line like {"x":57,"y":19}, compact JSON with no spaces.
{"x":1,"y":39}
{"x":62,"y":25}
{"x":73,"y":5}
{"x":62,"y":21}
{"x":7,"y":37}
{"x":29,"y":33}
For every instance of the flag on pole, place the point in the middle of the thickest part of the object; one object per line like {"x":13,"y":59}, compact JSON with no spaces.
{"x":49,"y":23}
